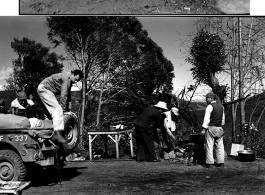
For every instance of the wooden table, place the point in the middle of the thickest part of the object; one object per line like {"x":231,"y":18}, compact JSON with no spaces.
{"x":18,"y":190}
{"x":114,"y":135}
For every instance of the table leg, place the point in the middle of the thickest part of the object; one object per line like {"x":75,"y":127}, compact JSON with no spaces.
{"x":105,"y":137}
{"x":90,"y":147}
{"x":131,"y":143}
{"x":117,"y":146}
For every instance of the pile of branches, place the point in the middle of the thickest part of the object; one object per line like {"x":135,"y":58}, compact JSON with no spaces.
{"x":187,"y":108}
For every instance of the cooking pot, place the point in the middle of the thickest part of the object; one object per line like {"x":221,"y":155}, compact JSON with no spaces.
{"x":197,"y":138}
{"x":246,"y":155}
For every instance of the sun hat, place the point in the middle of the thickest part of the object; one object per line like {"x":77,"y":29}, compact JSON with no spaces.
{"x":21,"y":95}
{"x":162,"y":105}
{"x":175,"y":111}
{"x":210,"y":95}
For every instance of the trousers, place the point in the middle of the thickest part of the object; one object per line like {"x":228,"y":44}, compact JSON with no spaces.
{"x":145,"y":144}
{"x":54,"y":108}
{"x":214,"y":142}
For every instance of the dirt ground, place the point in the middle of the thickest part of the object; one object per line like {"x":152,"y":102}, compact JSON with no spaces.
{"x":167,"y":177}
{"x":118,"y":7}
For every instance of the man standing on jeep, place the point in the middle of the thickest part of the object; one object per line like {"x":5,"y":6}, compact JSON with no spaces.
{"x":58,"y":84}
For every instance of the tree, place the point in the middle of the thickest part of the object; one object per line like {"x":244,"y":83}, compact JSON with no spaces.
{"x":244,"y":48}
{"x":207,"y":55}
{"x":34,"y":63}
{"x":122,"y":66}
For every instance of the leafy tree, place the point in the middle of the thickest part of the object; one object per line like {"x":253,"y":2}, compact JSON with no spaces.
{"x":122,"y":66}
{"x":244,"y":48}
{"x":34,"y":63}
{"x":207,"y":55}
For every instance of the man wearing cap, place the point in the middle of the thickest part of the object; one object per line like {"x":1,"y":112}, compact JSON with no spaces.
{"x":58,"y":84}
{"x":20,"y":104}
{"x":144,"y":132}
{"x":214,"y":119}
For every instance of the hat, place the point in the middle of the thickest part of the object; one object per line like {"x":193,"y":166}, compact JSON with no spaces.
{"x":211,"y":95}
{"x":162,"y":105}
{"x":175,"y":111}
{"x":21,"y":95}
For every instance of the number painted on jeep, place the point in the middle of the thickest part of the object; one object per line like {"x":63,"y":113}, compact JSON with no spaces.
{"x":21,"y":138}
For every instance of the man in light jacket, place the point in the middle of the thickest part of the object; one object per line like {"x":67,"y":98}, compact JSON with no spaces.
{"x":56,"y":84}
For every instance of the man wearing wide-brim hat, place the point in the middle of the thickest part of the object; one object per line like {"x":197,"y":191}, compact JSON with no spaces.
{"x":214,"y":119}
{"x":144,"y":132}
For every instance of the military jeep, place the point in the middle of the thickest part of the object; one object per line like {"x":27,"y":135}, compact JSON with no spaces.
{"x":20,"y":148}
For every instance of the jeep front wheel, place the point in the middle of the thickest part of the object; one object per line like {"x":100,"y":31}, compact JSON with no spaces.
{"x":12,"y":167}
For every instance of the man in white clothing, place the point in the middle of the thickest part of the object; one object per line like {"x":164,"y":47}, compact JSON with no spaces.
{"x":19,"y":105}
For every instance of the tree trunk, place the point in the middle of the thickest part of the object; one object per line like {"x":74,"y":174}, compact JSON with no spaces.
{"x":83,"y":102}
{"x":83,"y":107}
{"x":99,"y":106}
{"x":241,"y":81}
{"x":105,"y":80}
{"x":233,"y":106}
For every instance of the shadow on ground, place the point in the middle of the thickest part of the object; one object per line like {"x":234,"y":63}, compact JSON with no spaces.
{"x":50,"y":176}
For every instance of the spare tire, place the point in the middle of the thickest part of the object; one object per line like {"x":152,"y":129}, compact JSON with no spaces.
{"x":72,"y":131}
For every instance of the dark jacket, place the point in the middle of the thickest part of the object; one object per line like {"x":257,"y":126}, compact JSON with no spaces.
{"x":3,"y":106}
{"x":148,"y":116}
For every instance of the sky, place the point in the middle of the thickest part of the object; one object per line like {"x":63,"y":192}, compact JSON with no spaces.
{"x":165,"y":31}
{"x":19,"y":27}
{"x":168,"y":33}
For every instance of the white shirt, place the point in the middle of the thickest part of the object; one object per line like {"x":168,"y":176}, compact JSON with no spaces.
{"x":207,"y":116}
{"x":169,"y":124}
{"x":16,"y":104}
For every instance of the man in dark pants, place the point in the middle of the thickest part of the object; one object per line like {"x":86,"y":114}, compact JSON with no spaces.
{"x":144,"y":132}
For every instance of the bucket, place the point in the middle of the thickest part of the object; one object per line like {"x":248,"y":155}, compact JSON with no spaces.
{"x":246,"y":155}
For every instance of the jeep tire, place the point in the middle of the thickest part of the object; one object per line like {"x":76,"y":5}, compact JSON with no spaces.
{"x":72,"y":131}
{"x":12,"y":167}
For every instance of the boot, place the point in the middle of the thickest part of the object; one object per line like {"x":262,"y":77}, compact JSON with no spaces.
{"x":58,"y":137}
